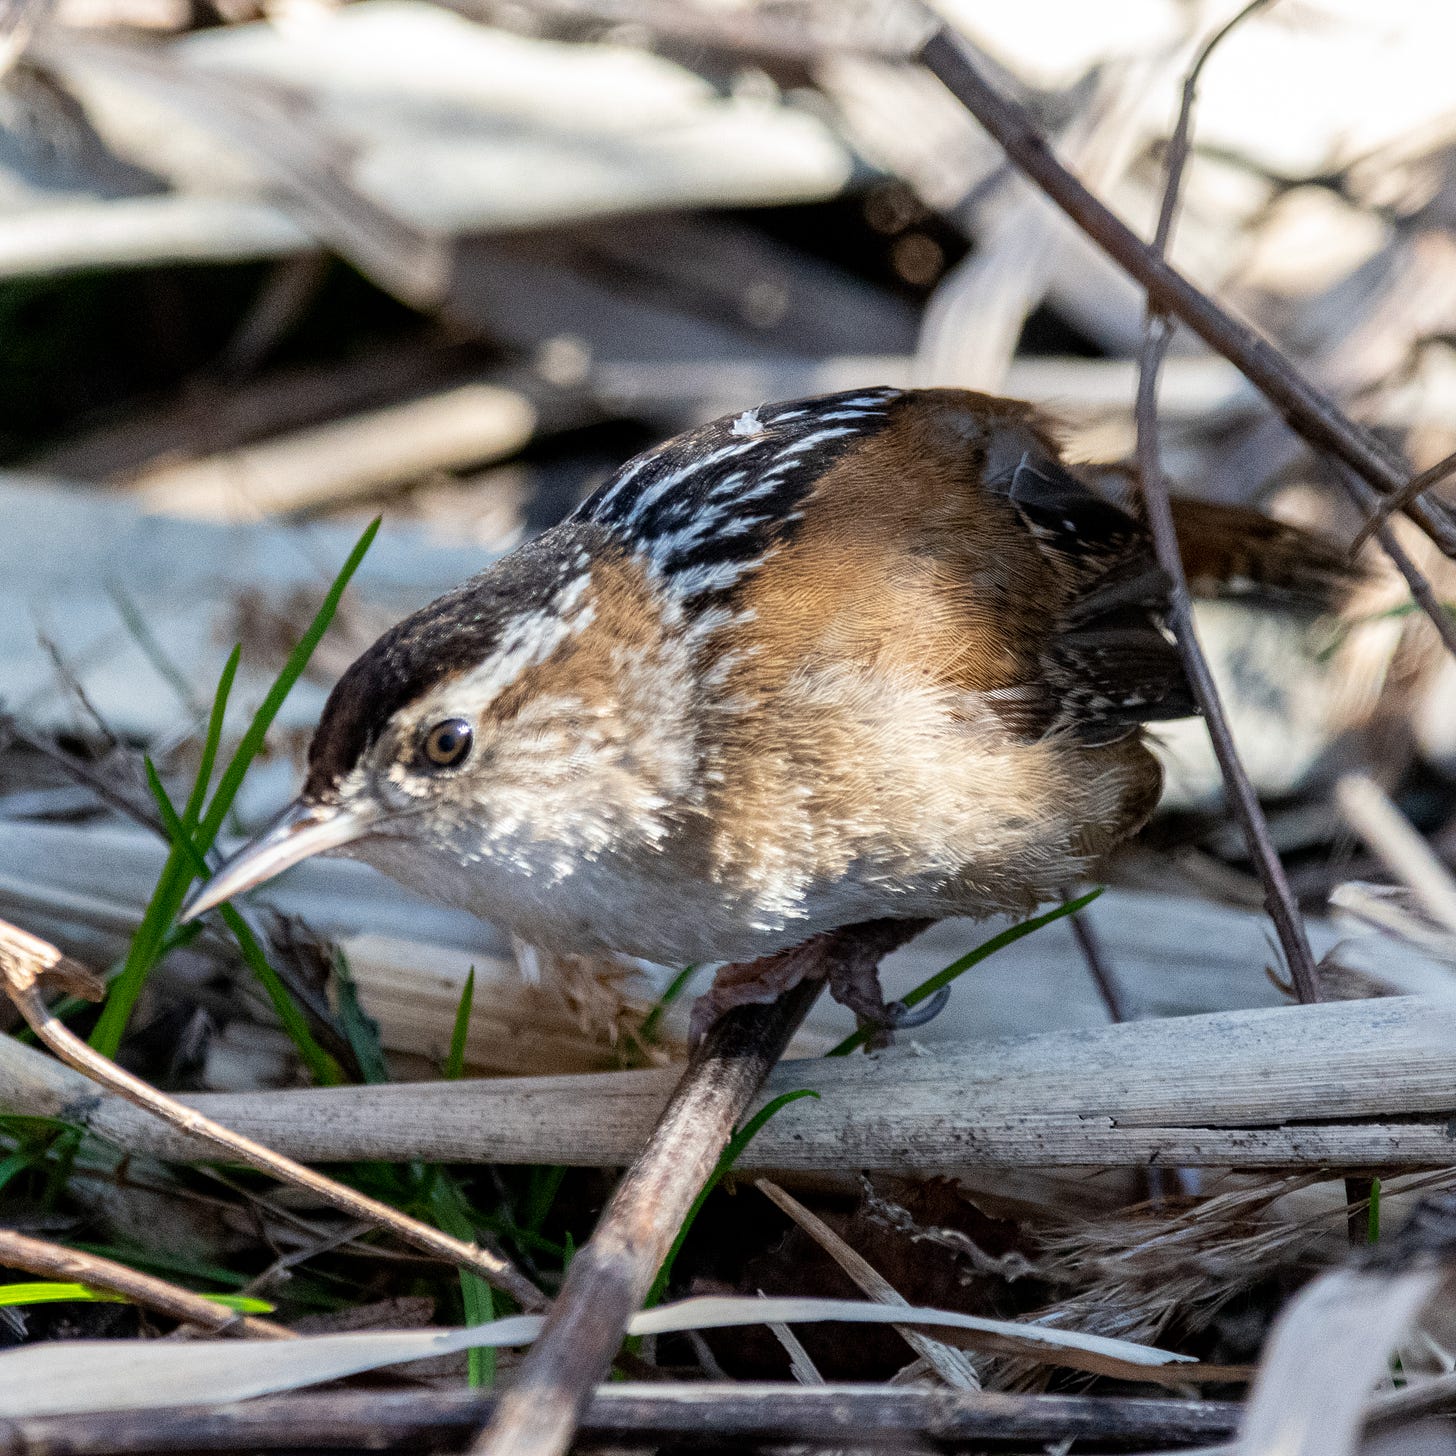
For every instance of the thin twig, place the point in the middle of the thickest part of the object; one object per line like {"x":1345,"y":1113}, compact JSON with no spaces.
{"x":1090,"y":944}
{"x":1391,"y":505}
{"x":1308,"y":410}
{"x":24,"y":958}
{"x":79,"y":771}
{"x":1243,"y":801}
{"x":610,"y":1277}
{"x":37,"y":1256}
{"x":1421,"y":590}
{"x":72,"y":683}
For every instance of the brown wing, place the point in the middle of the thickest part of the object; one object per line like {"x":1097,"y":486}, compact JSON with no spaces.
{"x":1110,"y":663}
{"x":1086,"y":635}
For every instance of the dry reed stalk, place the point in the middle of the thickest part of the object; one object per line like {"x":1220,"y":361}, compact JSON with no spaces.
{"x":844,"y":1415}
{"x":611,"y":1276}
{"x":1351,"y":1083}
{"x":1398,"y":845}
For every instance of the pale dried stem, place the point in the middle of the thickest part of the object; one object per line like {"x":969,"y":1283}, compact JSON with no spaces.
{"x":1402,"y":850}
{"x":611,"y":1276}
{"x":1363,"y":1084}
{"x":950,"y":1364}
{"x":36,"y":1256}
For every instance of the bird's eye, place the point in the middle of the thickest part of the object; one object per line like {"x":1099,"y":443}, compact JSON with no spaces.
{"x":447,"y":743}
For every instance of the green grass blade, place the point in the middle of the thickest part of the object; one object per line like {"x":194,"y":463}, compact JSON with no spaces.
{"x":1000,"y":941}
{"x":545,"y":1183}
{"x":17,"y":1162}
{"x":202,"y":1271}
{"x":651,"y":1026}
{"x":212,"y":740}
{"x":360,"y":1029}
{"x":452,"y":1213}
{"x":736,"y":1144}
{"x":321,"y":1065}
{"x":1372,"y":1216}
{"x":147,"y":944}
{"x":45,"y":1291}
{"x":454,"y":1067}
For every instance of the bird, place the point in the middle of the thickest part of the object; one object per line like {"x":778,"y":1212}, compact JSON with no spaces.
{"x":880,"y":655}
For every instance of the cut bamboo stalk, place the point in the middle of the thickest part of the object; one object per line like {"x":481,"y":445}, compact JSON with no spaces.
{"x":1354,"y":1084}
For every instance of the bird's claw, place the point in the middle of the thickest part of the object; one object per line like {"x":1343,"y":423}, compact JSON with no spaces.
{"x":900,"y":1017}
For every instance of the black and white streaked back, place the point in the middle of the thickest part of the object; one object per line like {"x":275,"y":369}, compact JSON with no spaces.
{"x":707,"y":506}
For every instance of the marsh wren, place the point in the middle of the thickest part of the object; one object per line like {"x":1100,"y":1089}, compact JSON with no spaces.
{"x":877,"y":655}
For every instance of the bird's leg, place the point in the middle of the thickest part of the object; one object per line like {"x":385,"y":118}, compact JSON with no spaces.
{"x":852,"y":968}
{"x":756,"y":982}
{"x":854,"y":976}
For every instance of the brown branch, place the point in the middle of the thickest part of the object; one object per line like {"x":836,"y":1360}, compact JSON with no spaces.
{"x":610,"y":1277}
{"x":1308,"y":410}
{"x":25,"y":958}
{"x":828,"y":1415}
{"x":1243,"y":801}
{"x":36,"y":1256}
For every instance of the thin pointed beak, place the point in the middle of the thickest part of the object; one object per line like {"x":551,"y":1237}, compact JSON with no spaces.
{"x":300,"y":831}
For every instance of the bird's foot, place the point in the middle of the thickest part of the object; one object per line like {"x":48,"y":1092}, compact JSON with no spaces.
{"x":910,"y":1018}
{"x":854,"y":981}
{"x":757,"y":982}
{"x":849,"y":958}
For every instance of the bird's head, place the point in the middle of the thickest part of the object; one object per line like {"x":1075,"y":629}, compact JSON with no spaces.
{"x":514,"y":725}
